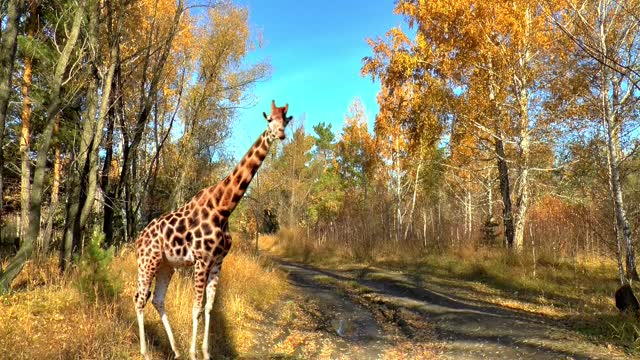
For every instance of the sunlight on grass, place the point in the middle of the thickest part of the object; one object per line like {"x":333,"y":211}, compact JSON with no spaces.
{"x":46,"y":316}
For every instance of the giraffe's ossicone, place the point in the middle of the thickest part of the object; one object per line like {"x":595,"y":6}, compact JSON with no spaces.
{"x":197,"y":234}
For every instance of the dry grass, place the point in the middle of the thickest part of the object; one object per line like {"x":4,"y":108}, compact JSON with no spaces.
{"x":578,"y":292}
{"x":295,"y":245}
{"x":46,"y":317}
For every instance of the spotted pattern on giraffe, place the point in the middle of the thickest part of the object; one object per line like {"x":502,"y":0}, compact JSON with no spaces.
{"x":197,"y":234}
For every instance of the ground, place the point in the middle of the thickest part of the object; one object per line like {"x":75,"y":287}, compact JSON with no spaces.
{"x":364,"y":312}
{"x":272,"y":307}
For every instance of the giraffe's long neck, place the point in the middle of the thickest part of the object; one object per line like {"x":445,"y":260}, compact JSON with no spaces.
{"x":235,"y":185}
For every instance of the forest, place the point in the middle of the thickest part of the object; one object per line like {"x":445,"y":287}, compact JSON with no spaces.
{"x":503,"y":160}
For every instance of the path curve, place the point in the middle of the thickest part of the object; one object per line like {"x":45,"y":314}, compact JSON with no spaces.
{"x":462,"y":328}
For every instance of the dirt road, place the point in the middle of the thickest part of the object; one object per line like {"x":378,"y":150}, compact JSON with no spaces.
{"x":367,"y":313}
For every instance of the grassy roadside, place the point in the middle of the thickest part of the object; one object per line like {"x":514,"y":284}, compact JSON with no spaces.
{"x":577,"y":292}
{"x":48,"y":316}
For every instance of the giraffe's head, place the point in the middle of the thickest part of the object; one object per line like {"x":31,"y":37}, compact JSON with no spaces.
{"x":277,"y":120}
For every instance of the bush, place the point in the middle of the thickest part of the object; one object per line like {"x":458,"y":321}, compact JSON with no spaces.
{"x":295,"y":244}
{"x":96,"y":281}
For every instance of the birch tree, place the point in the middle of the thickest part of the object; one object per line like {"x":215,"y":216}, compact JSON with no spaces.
{"x":606,"y":33}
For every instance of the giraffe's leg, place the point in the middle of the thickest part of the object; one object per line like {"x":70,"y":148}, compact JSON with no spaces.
{"x":163,"y":277}
{"x":212,"y":284}
{"x":142,"y":295}
{"x":200,"y":277}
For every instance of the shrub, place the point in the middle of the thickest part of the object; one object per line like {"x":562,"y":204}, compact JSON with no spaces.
{"x":95,"y":280}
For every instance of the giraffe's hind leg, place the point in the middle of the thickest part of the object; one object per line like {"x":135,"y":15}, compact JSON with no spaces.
{"x":145,"y":277}
{"x":212,"y":284}
{"x":163,"y":277}
{"x":200,"y":274}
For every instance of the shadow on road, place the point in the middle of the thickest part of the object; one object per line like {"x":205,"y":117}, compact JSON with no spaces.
{"x":471,"y":329}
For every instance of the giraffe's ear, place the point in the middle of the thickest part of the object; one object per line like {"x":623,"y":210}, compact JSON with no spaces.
{"x":273,"y":105}
{"x":286,"y":108}
{"x":289,"y":118}
{"x":265,"y":116}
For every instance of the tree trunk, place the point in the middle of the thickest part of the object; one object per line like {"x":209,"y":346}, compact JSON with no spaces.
{"x":521,"y":84}
{"x":612,"y":129}
{"x":439,"y":231}
{"x":522,"y":205}
{"x":413,"y":201}
{"x":505,"y":191}
{"x":398,"y":193}
{"x":424,"y":226}
{"x":25,"y":140}
{"x":622,"y":222}
{"x":109,"y":190}
{"x":469,"y":212}
{"x":25,"y":128}
{"x":523,"y":190}
{"x":47,"y":237}
{"x":37,"y":188}
{"x":621,"y":275}
{"x":107,"y":224}
{"x":7,"y":58}
{"x":490,"y":188}
{"x":177,"y":194}
{"x":503,"y":167}
{"x":93,"y":155}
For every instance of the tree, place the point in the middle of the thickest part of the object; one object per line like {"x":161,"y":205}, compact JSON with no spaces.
{"x":89,"y":84}
{"x":53,"y":107}
{"x":484,"y":64}
{"x":326,"y":193}
{"x":606,"y":36}
{"x":165,"y":19}
{"x":357,"y":158}
{"x":25,"y":117}
{"x":356,"y":149}
{"x":100,"y":74}
{"x":8,"y":46}
{"x":210,"y":103}
{"x":293,"y":167}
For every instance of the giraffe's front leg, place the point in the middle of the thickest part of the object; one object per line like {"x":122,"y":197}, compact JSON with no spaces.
{"x":200,"y":276}
{"x":212,"y":284}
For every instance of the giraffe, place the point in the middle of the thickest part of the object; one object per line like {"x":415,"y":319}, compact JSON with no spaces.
{"x":197,"y":234}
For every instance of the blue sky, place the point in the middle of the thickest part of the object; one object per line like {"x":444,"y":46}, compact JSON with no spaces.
{"x":315,"y":49}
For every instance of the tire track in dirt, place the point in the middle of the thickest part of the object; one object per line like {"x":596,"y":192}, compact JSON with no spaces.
{"x":403,"y":316}
{"x":323,"y":321}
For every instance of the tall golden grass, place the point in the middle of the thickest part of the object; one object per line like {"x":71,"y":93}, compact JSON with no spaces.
{"x":46,"y":317}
